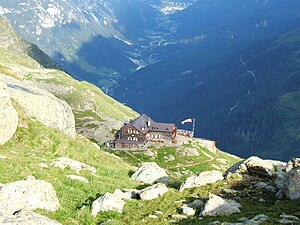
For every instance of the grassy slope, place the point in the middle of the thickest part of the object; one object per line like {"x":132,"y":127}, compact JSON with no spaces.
{"x":38,"y":144}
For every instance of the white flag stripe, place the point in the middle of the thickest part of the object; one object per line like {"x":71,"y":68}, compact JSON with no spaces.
{"x":187,"y":121}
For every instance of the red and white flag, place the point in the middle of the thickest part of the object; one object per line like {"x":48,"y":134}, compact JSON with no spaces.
{"x":187,"y":121}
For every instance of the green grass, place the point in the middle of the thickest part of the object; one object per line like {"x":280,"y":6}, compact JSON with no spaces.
{"x":194,"y":164}
{"x":37,"y":144}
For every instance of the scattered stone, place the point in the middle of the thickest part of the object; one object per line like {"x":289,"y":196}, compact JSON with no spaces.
{"x":64,"y":162}
{"x":261,"y":200}
{"x":169,"y":158}
{"x":261,"y":185}
{"x":130,"y":194}
{"x":215,"y":223}
{"x":152,"y":217}
{"x":288,"y":219}
{"x":280,"y":194}
{"x":8,"y":115}
{"x":187,"y":210}
{"x":150,"y":153}
{"x":179,"y":217}
{"x":79,"y":178}
{"x":271,"y":188}
{"x":107,"y":202}
{"x":43,"y":165}
{"x":153,"y":191}
{"x":229,"y":191}
{"x":27,"y":194}
{"x":24,"y":217}
{"x":196,"y":204}
{"x":149,"y":173}
{"x":3,"y":157}
{"x":292,"y":181}
{"x":217,"y":206}
{"x":204,"y":178}
{"x":159,"y":213}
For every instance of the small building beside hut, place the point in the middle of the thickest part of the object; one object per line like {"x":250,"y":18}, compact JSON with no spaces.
{"x":143,"y":129}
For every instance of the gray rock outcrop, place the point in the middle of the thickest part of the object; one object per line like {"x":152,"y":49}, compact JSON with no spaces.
{"x":204,"y":178}
{"x":65,"y":162}
{"x":8,"y":115}
{"x":107,"y":202}
{"x":26,"y":217}
{"x":216,"y":206}
{"x":27,"y":194}
{"x":253,"y":166}
{"x":149,"y":173}
{"x":291,"y":186}
{"x":41,"y":105}
{"x":153,"y":191}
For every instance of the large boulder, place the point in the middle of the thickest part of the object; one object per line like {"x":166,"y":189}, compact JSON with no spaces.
{"x":149,"y":173}
{"x":27,"y":194}
{"x":107,"y":202}
{"x":8,"y":115}
{"x":65,"y":162}
{"x":24,"y":217}
{"x":42,"y":105}
{"x":153,"y":191}
{"x":204,"y":178}
{"x":291,"y":186}
{"x":253,"y":166}
{"x":217,"y":206}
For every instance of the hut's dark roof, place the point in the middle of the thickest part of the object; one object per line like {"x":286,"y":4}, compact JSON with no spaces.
{"x":141,"y":123}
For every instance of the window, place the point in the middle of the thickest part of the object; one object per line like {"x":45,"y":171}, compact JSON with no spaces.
{"x":129,"y":138}
{"x":135,"y":139}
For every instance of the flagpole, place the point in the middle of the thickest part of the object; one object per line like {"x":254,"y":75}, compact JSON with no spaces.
{"x":194,"y":119}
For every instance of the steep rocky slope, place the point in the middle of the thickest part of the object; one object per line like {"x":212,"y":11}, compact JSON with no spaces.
{"x":96,"y":114}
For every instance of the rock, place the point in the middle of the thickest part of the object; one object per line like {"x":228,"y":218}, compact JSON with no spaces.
{"x":42,"y":105}
{"x":79,"y":178}
{"x":187,"y":210}
{"x":215,"y":223}
{"x":149,"y":173}
{"x":291,"y":186}
{"x":152,"y":217}
{"x":288,"y":219}
{"x":153,"y":191}
{"x":107,"y":202}
{"x":253,"y":166}
{"x":293,"y":163}
{"x":229,"y":191}
{"x":204,"y":178}
{"x":27,"y":194}
{"x":77,"y":166}
{"x":150,"y":153}
{"x":130,"y":194}
{"x":43,"y":165}
{"x":3,"y":157}
{"x":196,"y":204}
{"x":24,"y":217}
{"x":261,"y":185}
{"x":217,"y":206}
{"x":169,"y":158}
{"x":159,"y":213}
{"x":179,"y":217}
{"x":191,"y":152}
{"x":8,"y":115}
{"x":280,"y":194}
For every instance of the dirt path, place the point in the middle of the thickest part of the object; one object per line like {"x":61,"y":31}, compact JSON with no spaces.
{"x":133,"y":156}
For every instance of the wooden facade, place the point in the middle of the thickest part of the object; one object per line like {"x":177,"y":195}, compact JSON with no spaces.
{"x":143,"y":129}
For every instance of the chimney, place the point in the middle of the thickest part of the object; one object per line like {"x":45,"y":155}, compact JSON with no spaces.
{"x":149,"y":122}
